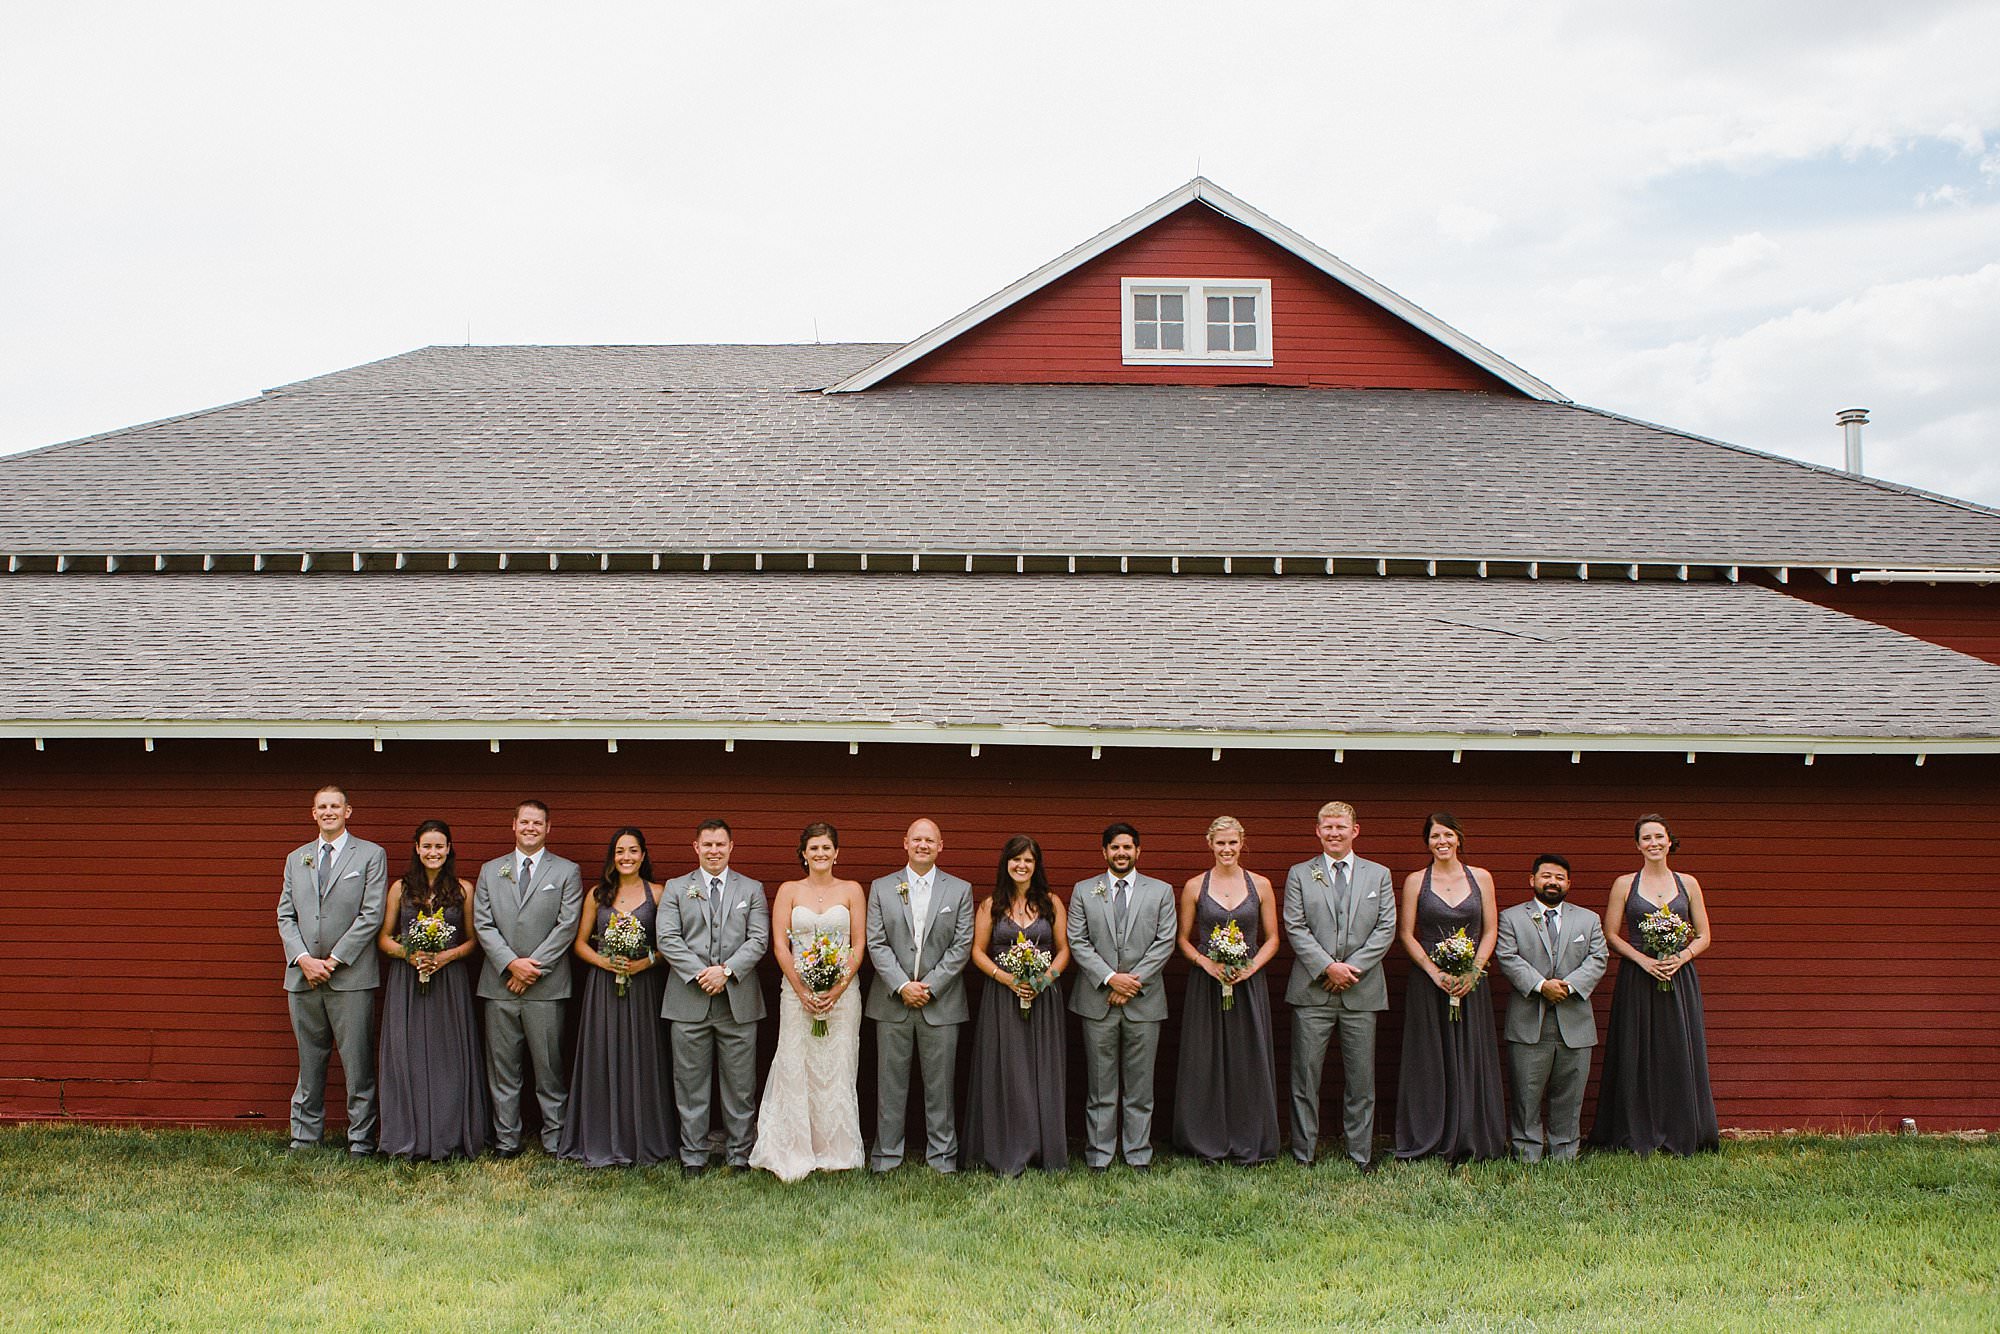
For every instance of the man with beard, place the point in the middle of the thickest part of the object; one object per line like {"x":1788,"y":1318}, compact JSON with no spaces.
{"x":1553,"y":955}
{"x":1122,"y":927}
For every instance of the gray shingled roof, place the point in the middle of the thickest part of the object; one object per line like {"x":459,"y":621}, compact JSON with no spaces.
{"x":729,"y":449}
{"x":1310,"y":659}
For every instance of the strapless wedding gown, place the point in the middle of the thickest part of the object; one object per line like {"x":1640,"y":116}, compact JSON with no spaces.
{"x":810,"y":1119}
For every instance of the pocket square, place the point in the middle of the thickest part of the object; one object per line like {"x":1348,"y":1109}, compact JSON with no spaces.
{"x":742,"y":907}
{"x":350,"y":875}
{"x":543,"y":889}
{"x":1376,"y":893}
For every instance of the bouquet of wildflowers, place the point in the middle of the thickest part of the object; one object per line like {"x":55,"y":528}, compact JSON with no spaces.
{"x":624,"y":938}
{"x":1027,"y":964}
{"x":1664,"y":933}
{"x":822,"y":963}
{"x":428,"y":934}
{"x":1227,"y":947}
{"x":1457,"y":956}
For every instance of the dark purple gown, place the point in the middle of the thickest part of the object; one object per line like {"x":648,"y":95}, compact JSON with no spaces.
{"x":1225,"y":1091}
{"x":621,"y":1095}
{"x":1653,"y":1092}
{"x":432,"y":1069}
{"x":1014,"y":1113}
{"x":1448,"y":1102}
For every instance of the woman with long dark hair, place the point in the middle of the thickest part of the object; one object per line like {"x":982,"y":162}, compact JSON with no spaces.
{"x":1014,"y":1115}
{"x":1653,"y":1092}
{"x":621,"y":1098}
{"x":432,"y":1074}
{"x":1448,"y":1102}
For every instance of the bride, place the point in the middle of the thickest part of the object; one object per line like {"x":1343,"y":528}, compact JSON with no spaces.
{"x":810,"y":1119}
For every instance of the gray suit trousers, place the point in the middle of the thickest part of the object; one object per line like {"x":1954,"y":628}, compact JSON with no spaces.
{"x":697,"y":1044}
{"x":1559,"y":1071}
{"x":1312,"y":1029}
{"x":1114,"y":1048}
{"x":935,"y":1048}
{"x":512,"y":1026}
{"x":323,"y":1019}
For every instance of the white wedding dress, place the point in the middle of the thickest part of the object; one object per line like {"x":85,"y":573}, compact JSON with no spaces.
{"x":810,"y":1119}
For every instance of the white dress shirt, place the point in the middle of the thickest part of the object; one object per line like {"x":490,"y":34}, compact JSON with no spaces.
{"x":920,"y":908}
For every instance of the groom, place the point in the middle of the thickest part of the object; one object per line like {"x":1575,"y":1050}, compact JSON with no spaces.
{"x":919,"y":939}
{"x":713,"y":927}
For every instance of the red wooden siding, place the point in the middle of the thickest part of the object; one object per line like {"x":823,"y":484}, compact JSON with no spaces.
{"x":1850,"y":984}
{"x":1322,"y":333}
{"x":1965,"y":617}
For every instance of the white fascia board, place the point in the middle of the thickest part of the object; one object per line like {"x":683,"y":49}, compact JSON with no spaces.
{"x":1214,"y":196}
{"x":994,"y":735}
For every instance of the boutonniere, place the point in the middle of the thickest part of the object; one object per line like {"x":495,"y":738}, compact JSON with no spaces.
{"x":507,"y":871}
{"x":903,"y":890}
{"x":308,"y":860}
{"x":1098,"y":889}
{"x":1536,"y":915}
{"x":694,"y":889}
{"x":1319,"y":875}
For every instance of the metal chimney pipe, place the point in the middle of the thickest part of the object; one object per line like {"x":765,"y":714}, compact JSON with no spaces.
{"x":1851,"y":421}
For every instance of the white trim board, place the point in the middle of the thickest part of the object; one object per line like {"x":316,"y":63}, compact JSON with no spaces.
{"x":1204,"y":191}
{"x":863,"y":733}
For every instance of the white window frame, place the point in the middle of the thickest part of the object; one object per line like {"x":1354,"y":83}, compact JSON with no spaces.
{"x":1195,"y":293}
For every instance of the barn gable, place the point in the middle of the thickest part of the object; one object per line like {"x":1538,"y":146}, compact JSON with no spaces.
{"x":1200,"y":288}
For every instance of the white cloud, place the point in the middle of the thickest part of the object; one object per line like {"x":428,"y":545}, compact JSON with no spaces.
{"x":1734,"y":259}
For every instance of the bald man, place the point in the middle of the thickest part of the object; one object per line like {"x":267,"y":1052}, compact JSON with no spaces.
{"x":919,"y":939}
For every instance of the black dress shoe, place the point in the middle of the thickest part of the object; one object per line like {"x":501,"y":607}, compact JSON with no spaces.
{"x":1098,"y":1169}
{"x":514,"y":1152}
{"x":1369,"y":1167}
{"x":693,"y":1170}
{"x":1146,"y":1166}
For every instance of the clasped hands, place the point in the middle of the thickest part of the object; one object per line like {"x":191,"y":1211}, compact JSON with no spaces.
{"x":916,"y":994}
{"x":1555,"y":989}
{"x":521,"y":974}
{"x":1123,"y":987}
{"x":1663,"y":970}
{"x":1339,"y":976}
{"x":316,"y":971}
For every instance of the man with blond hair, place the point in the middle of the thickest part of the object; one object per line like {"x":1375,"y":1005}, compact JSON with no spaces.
{"x":1340,"y":917}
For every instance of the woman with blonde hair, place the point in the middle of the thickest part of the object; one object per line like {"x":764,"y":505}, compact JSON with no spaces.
{"x":1225,"y":1092}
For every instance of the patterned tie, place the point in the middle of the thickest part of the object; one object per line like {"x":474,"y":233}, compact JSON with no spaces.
{"x":325,"y":866}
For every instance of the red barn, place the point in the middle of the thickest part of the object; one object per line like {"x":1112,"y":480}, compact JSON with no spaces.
{"x":1195,"y":519}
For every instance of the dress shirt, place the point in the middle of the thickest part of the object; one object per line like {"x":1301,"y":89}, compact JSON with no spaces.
{"x":520,"y":856}
{"x":1332,"y":877}
{"x":920,"y":906}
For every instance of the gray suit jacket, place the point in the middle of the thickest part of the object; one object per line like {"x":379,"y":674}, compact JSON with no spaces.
{"x":343,"y":923}
{"x":1357,"y":933}
{"x":1151,"y":925}
{"x":1522,"y":953}
{"x":535,"y":921}
{"x":892,"y":949}
{"x":689,"y":946}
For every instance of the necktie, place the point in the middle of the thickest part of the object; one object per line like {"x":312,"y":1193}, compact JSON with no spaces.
{"x":715,"y":912}
{"x":1340,"y":898}
{"x":1119,"y":903}
{"x":325,"y":866}
{"x":527,"y":874}
{"x":1550,"y":929}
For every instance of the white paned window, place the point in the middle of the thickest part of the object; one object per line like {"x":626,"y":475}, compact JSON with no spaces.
{"x":1176,"y":321}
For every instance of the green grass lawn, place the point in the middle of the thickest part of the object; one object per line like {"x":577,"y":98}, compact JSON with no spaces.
{"x":108,"y":1228}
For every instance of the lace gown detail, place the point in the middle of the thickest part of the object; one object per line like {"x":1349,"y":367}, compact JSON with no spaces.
{"x":810,"y":1120}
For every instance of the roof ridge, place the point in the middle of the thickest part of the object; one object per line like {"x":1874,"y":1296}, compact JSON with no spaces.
{"x":1881,"y":483}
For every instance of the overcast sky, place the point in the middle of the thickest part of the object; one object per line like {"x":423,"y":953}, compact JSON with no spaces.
{"x":1734,"y":218}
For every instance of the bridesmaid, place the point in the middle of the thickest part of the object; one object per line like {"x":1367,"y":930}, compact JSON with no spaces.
{"x":1225,"y":1096}
{"x":1653,"y":1092}
{"x":621,"y":1096}
{"x":1014,"y":1108}
{"x":433,"y":1074}
{"x":1448,"y":1103}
